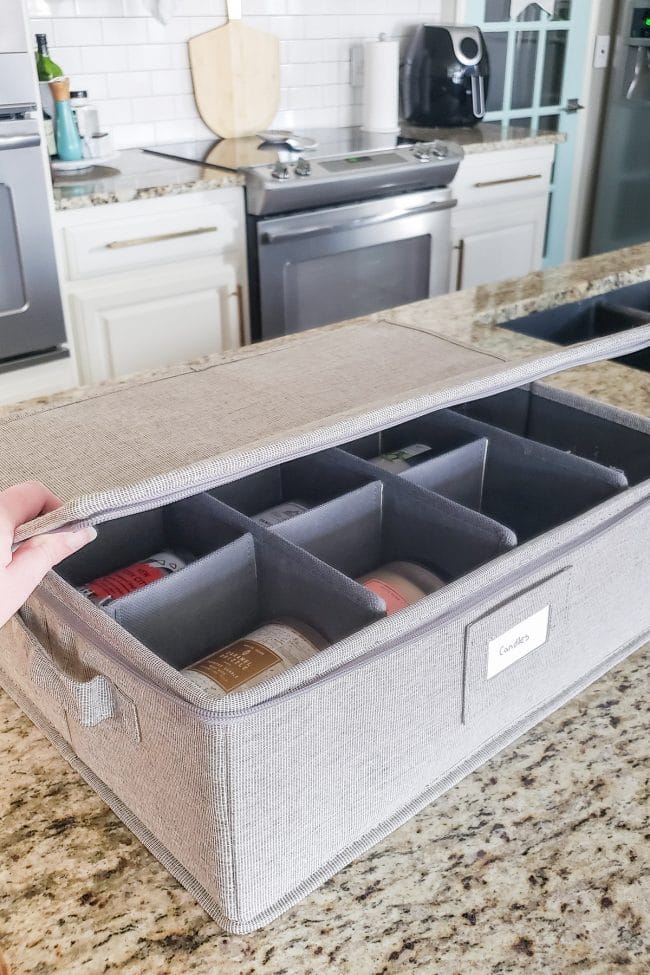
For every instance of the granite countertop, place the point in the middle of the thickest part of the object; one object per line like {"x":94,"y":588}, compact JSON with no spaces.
{"x":138,"y":175}
{"x":534,"y":863}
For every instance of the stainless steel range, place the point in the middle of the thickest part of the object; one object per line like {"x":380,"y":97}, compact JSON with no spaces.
{"x":341,"y":223}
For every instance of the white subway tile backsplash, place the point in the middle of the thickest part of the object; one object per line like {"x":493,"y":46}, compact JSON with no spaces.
{"x":115,"y":111}
{"x":178,"y":82}
{"x":96,"y":85}
{"x":124,"y":30}
{"x":136,"y":134}
{"x":178,"y":29}
{"x":70,"y":61}
{"x":132,"y":84}
{"x":76,"y":31}
{"x":136,"y":70}
{"x":153,"y":109}
{"x":98,"y":8}
{"x":149,"y":57}
{"x":179,"y":56}
{"x":102,"y":59}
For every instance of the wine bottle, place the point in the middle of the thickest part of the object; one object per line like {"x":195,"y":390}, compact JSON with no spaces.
{"x":46,"y":68}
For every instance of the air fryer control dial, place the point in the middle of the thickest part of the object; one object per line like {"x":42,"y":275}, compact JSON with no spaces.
{"x":469,"y":47}
{"x":466,"y":42}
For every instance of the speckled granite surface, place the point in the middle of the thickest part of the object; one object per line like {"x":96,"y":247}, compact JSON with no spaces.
{"x":539,"y":862}
{"x":137,"y":175}
{"x":486,"y":137}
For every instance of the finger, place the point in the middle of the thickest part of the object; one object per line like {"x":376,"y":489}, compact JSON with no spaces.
{"x":33,"y":559}
{"x":22,"y":502}
{"x":18,"y":504}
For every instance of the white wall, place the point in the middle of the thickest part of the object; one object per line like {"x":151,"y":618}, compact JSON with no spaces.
{"x":137,"y":72}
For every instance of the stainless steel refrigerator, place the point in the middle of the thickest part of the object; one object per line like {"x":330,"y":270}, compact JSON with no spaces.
{"x":621,"y":212}
{"x":31,"y":317}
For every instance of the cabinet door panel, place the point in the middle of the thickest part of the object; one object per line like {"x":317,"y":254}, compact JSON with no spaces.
{"x":156,"y":332}
{"x":142,"y":321}
{"x":497,"y":242}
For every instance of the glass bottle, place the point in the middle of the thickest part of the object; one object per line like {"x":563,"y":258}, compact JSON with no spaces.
{"x":68,"y":143}
{"x":46,"y":68}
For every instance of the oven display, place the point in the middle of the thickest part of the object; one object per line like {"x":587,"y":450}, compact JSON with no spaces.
{"x":362,"y":162}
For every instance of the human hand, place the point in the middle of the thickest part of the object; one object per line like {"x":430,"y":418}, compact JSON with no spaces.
{"x":22,"y":570}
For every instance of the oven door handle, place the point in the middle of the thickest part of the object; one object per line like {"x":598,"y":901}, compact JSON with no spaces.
{"x":19,"y":141}
{"x":361,"y":222}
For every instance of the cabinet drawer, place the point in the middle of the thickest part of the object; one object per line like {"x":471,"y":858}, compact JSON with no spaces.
{"x":495,"y":176}
{"x":108,"y":246}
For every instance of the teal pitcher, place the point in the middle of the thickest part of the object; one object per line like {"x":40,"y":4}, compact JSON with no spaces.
{"x":68,"y":143}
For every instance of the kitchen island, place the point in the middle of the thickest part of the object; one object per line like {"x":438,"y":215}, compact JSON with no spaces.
{"x":533,"y":863}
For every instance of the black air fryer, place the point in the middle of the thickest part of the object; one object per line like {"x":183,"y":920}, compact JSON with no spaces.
{"x":444,"y":77}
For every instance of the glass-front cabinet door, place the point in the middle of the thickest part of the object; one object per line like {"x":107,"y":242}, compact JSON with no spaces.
{"x":537,"y":57}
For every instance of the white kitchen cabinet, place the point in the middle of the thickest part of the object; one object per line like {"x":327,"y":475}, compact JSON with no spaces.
{"x":152,"y":318}
{"x":154,"y":282}
{"x":498,"y":226}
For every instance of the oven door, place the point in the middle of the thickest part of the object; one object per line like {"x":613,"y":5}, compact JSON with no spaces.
{"x":328,"y":265}
{"x":31,"y":316}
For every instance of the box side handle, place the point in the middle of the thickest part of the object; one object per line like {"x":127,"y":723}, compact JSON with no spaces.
{"x":87,"y":702}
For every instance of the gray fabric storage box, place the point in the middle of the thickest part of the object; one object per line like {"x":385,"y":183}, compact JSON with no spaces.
{"x":253,"y":800}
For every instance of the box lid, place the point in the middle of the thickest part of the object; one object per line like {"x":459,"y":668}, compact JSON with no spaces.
{"x":128,"y":448}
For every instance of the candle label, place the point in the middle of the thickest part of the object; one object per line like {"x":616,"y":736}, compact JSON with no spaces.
{"x":237,"y":664}
{"x":517,"y":642}
{"x":400,"y":460}
{"x":279,"y":513}
{"x":105,"y":589}
{"x":394,"y":600}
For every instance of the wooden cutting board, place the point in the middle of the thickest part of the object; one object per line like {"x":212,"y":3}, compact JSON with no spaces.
{"x":236,"y":76}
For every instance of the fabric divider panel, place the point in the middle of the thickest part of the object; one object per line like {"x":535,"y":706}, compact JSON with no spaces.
{"x":458,"y":474}
{"x":530,"y":486}
{"x":187,"y":528}
{"x":225,"y":595}
{"x":561,"y":419}
{"x":312,"y":480}
{"x":392,"y":520}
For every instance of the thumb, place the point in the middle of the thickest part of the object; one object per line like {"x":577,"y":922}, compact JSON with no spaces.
{"x":33,"y":558}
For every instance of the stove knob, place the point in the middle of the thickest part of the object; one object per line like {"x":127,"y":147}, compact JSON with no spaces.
{"x":280,"y":171}
{"x":440,"y":150}
{"x":422,"y":152}
{"x":303,"y":167}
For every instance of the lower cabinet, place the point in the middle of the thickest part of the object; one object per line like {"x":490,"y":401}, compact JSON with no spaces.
{"x":499,"y":225}
{"x":490,"y":243}
{"x":153,"y":282}
{"x":145,"y":319}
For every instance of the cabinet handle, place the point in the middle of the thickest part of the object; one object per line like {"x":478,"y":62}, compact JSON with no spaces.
{"x":511,"y":179}
{"x":155,"y":238}
{"x":240,"y":306}
{"x":460,"y":247}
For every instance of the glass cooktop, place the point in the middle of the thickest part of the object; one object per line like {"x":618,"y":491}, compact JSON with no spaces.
{"x":253,"y":151}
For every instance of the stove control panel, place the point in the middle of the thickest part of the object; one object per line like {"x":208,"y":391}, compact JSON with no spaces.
{"x":303,"y":167}
{"x":280,"y":170}
{"x":426,"y":151}
{"x":303,"y":182}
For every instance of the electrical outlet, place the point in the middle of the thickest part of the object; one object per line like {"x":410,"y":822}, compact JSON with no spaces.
{"x":601,"y":51}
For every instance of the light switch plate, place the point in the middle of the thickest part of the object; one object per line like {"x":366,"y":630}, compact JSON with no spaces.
{"x":601,"y":51}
